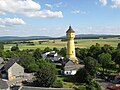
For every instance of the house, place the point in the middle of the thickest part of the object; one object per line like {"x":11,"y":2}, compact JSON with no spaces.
{"x":53,"y":56}
{"x":3,"y":85}
{"x":12,"y":70}
{"x":49,"y":54}
{"x":70,"y":68}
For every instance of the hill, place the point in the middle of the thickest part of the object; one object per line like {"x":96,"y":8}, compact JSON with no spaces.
{"x":84,"y":36}
{"x":90,"y":36}
{"x":21,"y":38}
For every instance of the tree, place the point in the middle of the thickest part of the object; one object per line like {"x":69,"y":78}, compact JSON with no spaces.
{"x":91,"y":65}
{"x":1,"y":47}
{"x":55,"y":49}
{"x":37,"y":54}
{"x":87,"y":74}
{"x":81,"y":53}
{"x":15,"y":48}
{"x":9,"y":54}
{"x":81,"y":75}
{"x":1,"y":53}
{"x":33,"y":67}
{"x":63,"y":52}
{"x":77,"y":51}
{"x":26,"y":60}
{"x":118,"y":46}
{"x":47,"y":49}
{"x":104,"y":59}
{"x":107,"y":49}
{"x":94,"y":50}
{"x":46,"y":75}
{"x":117,"y":57}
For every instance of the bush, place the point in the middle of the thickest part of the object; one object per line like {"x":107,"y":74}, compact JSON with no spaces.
{"x":15,"y":48}
{"x":92,"y":86}
{"x":57,"y":84}
{"x":81,"y":75}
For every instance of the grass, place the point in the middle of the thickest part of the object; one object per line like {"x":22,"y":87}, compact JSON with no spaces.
{"x":81,"y":43}
{"x":86,"y":43}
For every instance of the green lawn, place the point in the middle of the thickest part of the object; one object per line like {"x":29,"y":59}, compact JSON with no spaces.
{"x":81,"y":43}
{"x":86,"y":43}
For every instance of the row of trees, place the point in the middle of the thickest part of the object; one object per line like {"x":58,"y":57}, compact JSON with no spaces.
{"x":94,"y":58}
{"x":107,"y":56}
{"x":32,"y":61}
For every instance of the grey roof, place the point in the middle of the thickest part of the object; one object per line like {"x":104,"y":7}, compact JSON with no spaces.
{"x":10,"y":63}
{"x":1,"y":60}
{"x":70,"y":30}
{"x":41,"y":88}
{"x":70,"y":65}
{"x":67,"y":62}
{"x":3,"y":84}
{"x":73,"y":67}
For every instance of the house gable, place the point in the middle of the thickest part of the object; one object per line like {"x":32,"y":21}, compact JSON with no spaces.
{"x":69,"y":63}
{"x":16,"y":70}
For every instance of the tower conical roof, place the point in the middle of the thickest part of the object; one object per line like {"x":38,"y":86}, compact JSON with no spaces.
{"x":70,"y":30}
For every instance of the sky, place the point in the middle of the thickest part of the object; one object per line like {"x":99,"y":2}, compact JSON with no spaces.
{"x":53,"y":17}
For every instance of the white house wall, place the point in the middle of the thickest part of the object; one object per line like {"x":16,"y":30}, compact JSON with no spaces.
{"x":73,"y":72}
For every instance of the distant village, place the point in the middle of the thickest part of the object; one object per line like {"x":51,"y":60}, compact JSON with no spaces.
{"x":13,"y":74}
{"x":36,"y":69}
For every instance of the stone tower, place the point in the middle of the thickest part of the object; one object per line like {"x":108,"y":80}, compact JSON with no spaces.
{"x":70,"y":33}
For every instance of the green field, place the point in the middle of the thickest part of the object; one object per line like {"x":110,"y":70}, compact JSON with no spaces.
{"x":81,"y":43}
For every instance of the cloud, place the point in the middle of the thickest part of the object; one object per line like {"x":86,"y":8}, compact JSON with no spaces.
{"x":25,"y":7}
{"x":11,"y":21}
{"x":78,"y":11}
{"x":44,"y":14}
{"x":2,"y":26}
{"x":60,"y":4}
{"x":18,"y":5}
{"x":103,"y":2}
{"x":2,"y":13}
{"x":116,"y":4}
{"x":83,"y":12}
{"x":49,"y":6}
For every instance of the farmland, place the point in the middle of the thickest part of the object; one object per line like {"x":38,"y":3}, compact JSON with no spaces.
{"x":81,"y":43}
